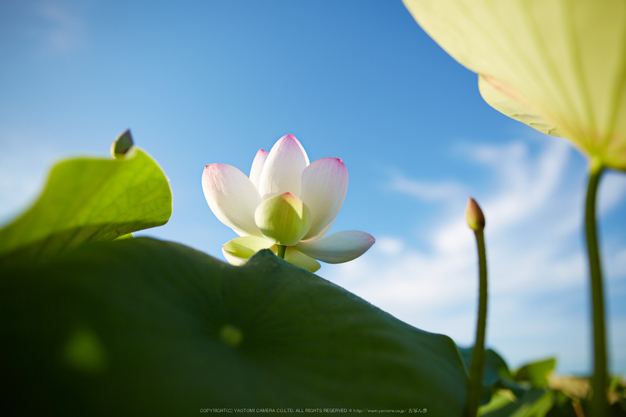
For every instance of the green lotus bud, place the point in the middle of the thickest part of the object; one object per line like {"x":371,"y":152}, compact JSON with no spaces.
{"x":474,"y":215}
{"x":122,"y":145}
{"x":284,"y":218}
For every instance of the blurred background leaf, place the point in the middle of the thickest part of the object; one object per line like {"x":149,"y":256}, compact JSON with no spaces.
{"x":536,"y":373}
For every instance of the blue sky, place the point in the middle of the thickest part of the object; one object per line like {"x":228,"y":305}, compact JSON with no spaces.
{"x":199,"y":82}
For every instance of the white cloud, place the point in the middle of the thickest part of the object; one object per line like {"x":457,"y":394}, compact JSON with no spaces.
{"x":535,"y":257}
{"x":63,"y":28}
{"x":390,"y":245}
{"x":426,"y":190}
{"x":50,"y":27}
{"x":526,"y":184}
{"x":612,"y":191}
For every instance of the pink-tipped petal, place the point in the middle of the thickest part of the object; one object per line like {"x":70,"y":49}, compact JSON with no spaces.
{"x":338,"y":247}
{"x":282,"y":171}
{"x":232,"y":197}
{"x":257,"y":167}
{"x":324,"y":186}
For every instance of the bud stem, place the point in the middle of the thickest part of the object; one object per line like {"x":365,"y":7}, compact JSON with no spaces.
{"x":477,"y":361}
{"x":281,"y":251}
{"x":599,"y":403}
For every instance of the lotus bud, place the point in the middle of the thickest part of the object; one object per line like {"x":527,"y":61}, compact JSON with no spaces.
{"x":474,"y":216}
{"x":284,"y":218}
{"x":122,"y":145}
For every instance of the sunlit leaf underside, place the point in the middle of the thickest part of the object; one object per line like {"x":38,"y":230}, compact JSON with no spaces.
{"x":87,"y":200}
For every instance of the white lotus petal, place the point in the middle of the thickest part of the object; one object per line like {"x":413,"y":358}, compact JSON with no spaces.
{"x":282,"y":171}
{"x":298,"y":258}
{"x":232,"y":197}
{"x":320,"y":234}
{"x":257,"y":167}
{"x":338,"y":247}
{"x":232,"y":259}
{"x":324,"y":186}
{"x":246,"y":246}
{"x":237,"y":251}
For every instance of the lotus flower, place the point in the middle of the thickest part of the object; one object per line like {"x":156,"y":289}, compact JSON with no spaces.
{"x":286,"y":205}
{"x":558,"y":66}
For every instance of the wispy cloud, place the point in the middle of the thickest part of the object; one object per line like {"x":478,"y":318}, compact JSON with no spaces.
{"x":46,"y":27}
{"x":63,"y":29}
{"x":535,"y":256}
{"x":424,"y":190}
{"x":612,"y":191}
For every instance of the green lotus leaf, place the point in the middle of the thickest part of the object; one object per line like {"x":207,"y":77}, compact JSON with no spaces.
{"x":558,"y":66}
{"x":513,"y":108}
{"x":88,"y":200}
{"x":141,"y":327}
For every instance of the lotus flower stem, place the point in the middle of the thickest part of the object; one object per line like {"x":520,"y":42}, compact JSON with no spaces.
{"x":476,"y":221}
{"x":599,"y":403}
{"x":281,"y":251}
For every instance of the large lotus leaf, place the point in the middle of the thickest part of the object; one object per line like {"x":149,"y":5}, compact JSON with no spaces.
{"x":88,"y":200}
{"x":497,"y":99}
{"x":562,"y":61}
{"x":140,"y":327}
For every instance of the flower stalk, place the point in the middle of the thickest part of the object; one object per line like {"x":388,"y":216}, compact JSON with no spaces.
{"x":281,"y":251}
{"x":599,"y":402}
{"x":476,"y":221}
